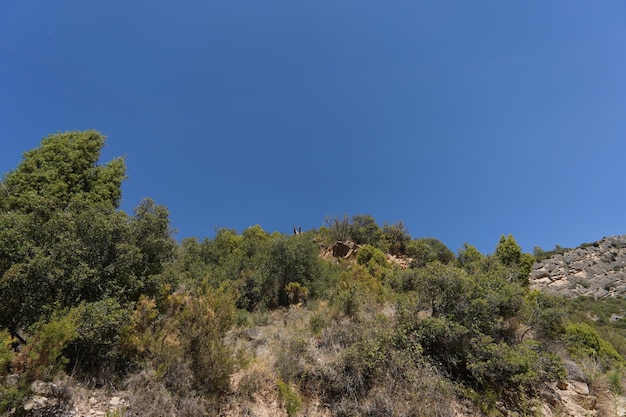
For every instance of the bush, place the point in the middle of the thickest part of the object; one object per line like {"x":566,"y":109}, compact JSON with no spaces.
{"x":522,"y":367}
{"x":426,"y":250}
{"x":283,"y":260}
{"x":370,"y":256}
{"x":357,"y":290}
{"x":296,"y":293}
{"x":544,"y":313}
{"x":446,"y":342}
{"x":584,"y":341}
{"x":6,"y":351}
{"x":183,"y":344}
{"x":289,"y":398}
{"x":97,"y":350}
{"x":368,"y":372}
{"x":42,"y":357}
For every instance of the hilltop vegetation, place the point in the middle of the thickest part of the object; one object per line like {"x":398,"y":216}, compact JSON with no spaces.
{"x":92,"y":294}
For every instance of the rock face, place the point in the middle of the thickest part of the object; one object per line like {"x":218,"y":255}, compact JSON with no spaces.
{"x":345,"y":249}
{"x":597,"y":270}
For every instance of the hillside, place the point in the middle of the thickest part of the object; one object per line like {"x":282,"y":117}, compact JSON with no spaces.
{"x":302,"y":340}
{"x":103,"y":313}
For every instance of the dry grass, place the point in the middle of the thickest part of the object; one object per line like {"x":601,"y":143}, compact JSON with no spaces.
{"x":148,"y":396}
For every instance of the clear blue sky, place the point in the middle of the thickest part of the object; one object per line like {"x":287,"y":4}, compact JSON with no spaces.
{"x":464,"y":119}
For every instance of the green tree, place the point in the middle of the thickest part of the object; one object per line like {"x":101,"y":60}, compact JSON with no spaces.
{"x":470,"y":332}
{"x":442,"y":288}
{"x":469,"y":255}
{"x":544,"y":314}
{"x":62,"y":171}
{"x":62,"y":239}
{"x":364,"y":230}
{"x":425,"y":250}
{"x":510,"y":254}
{"x":508,"y":251}
{"x":368,"y":254}
{"x":152,"y":235}
{"x":284,"y":260}
{"x":396,"y":237}
{"x":539,"y":253}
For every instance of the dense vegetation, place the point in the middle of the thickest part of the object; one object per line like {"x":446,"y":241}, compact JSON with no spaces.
{"x":88,"y":290}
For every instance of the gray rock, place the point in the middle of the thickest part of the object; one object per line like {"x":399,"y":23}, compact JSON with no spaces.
{"x":12,"y":380}
{"x":596,"y":270}
{"x":574,"y":372}
{"x":48,"y":400}
{"x":44,"y":388}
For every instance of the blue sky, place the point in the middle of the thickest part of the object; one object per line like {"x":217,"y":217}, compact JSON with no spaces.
{"x":465,"y":120}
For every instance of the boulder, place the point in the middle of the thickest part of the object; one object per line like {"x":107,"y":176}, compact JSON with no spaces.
{"x":345,"y":249}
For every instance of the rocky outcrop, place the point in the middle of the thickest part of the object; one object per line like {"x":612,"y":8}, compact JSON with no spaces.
{"x":597,"y":269}
{"x":345,"y":249}
{"x":47,"y":399}
{"x":68,"y":398}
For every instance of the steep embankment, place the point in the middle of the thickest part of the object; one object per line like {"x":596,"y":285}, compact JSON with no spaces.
{"x":597,"y":270}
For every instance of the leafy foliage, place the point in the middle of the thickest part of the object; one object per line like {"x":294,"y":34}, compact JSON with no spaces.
{"x":61,"y":172}
{"x":42,"y":357}
{"x":365,"y":231}
{"x":6,"y":351}
{"x":369,"y":255}
{"x":470,"y":331}
{"x":584,"y":341}
{"x":427,"y":250}
{"x":395,"y":238}
{"x":182,"y":338}
{"x":62,"y":240}
{"x":97,"y":350}
{"x":545,"y":314}
{"x":296,"y":293}
{"x":290,"y":399}
{"x":510,"y":254}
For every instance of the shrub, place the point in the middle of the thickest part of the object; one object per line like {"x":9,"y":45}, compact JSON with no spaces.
{"x":522,"y":367}
{"x":184,"y":343}
{"x":6,"y":351}
{"x":41,"y":358}
{"x":426,"y":250}
{"x":364,"y":230}
{"x":357,"y":290}
{"x":149,"y":397}
{"x":296,"y":293}
{"x":446,"y":342}
{"x":253,"y":381}
{"x":290,"y":399}
{"x":283,"y":260}
{"x":339,"y":228}
{"x":583,"y":341}
{"x":317,"y":323}
{"x":368,"y":372}
{"x":544,"y":313}
{"x":369,"y":255}
{"x":97,"y":350}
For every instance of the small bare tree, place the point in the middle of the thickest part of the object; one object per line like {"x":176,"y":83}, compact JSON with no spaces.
{"x":339,"y":228}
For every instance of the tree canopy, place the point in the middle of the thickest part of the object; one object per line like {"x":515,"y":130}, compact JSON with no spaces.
{"x":62,"y":239}
{"x":62,"y":171}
